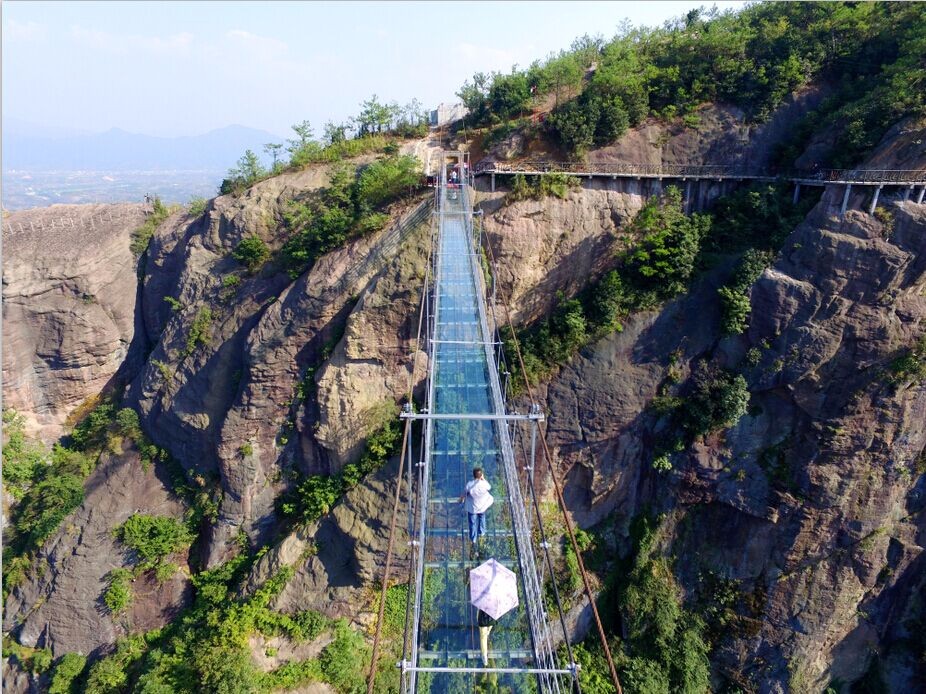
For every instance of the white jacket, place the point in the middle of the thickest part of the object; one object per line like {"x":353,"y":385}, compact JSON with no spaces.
{"x":477,"y":495}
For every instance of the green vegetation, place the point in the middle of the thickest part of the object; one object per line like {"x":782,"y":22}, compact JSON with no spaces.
{"x":34,"y":660}
{"x":385,"y":180}
{"x":142,"y":235}
{"x":65,"y":678}
{"x":394,"y":612}
{"x":315,"y":496}
{"x":199,"y":331}
{"x":716,"y":399}
{"x":118,"y":594}
{"x":657,"y":268}
{"x":206,"y":648}
{"x":251,"y":252}
{"x":666,"y":646}
{"x":248,"y":172}
{"x":758,"y":216}
{"x":870,"y":54}
{"x":537,"y":187}
{"x":910,"y":367}
{"x":661,"y":264}
{"x":23,"y":460}
{"x":174,"y":304}
{"x":734,"y":298}
{"x":49,"y":486}
{"x":495,"y":97}
{"x":340,"y":659}
{"x":378,"y":126}
{"x":197,"y":206}
{"x":670,"y":249}
{"x":154,"y":537}
{"x":348,"y":207}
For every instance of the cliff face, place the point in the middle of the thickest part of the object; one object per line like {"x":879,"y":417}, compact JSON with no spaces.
{"x":61,"y":605}
{"x":69,"y":293}
{"x":226,"y":407}
{"x":813,"y":499}
{"x":811,"y":503}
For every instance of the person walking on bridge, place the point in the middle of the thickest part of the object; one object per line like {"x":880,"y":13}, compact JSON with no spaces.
{"x":477,"y":500}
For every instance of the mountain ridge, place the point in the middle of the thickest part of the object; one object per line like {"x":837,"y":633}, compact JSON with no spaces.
{"x":120,"y":150}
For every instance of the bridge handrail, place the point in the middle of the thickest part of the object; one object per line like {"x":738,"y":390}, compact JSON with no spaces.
{"x":707,"y":171}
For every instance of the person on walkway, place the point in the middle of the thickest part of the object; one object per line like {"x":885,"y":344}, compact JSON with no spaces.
{"x":477,"y":500}
{"x":485,"y":623}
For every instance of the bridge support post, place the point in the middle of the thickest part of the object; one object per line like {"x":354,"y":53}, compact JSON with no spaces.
{"x":493,"y":182}
{"x":688,"y":206}
{"x":797,"y":193}
{"x":874,"y":200}
{"x":919,"y":198}
{"x":906,"y":194}
{"x":845,"y":200}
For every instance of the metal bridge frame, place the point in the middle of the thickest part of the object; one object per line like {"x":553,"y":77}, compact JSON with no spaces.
{"x":544,"y":651}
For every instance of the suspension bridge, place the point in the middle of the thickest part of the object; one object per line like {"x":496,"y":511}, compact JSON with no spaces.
{"x":464,"y":423}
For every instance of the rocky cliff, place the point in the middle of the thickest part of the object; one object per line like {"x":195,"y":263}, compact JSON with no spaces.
{"x":69,"y":295}
{"x":811,"y":502}
{"x":61,"y":607}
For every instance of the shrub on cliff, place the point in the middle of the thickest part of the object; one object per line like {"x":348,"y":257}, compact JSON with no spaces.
{"x":66,"y":674}
{"x":350,"y":206}
{"x":141,"y":236}
{"x":910,"y":366}
{"x":316,"y":495}
{"x":154,"y":537}
{"x":248,"y":171}
{"x":734,"y":298}
{"x":386,"y":180}
{"x":251,"y":252}
{"x":664,"y":259}
{"x":716,"y":400}
{"x":118,"y":595}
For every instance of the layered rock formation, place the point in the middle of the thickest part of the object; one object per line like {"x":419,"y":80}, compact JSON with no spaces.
{"x":69,"y":293}
{"x":61,"y":605}
{"x":227,"y":407}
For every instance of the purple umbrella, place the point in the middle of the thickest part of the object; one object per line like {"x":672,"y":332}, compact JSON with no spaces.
{"x":493,"y":588}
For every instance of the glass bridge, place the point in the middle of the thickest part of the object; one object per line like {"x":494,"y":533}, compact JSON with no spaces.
{"x":466,"y":425}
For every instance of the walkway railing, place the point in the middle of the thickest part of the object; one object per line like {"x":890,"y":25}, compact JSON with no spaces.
{"x":709,"y":171}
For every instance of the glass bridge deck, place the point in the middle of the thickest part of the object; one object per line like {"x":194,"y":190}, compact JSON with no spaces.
{"x":448,"y":635}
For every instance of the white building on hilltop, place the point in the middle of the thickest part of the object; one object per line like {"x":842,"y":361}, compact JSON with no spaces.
{"x":447,"y":113}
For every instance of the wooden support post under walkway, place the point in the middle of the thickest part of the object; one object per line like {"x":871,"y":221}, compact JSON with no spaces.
{"x":919,"y":199}
{"x":797,"y":193}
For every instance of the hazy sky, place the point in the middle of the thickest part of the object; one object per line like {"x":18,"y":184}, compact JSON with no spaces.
{"x":173,"y":68}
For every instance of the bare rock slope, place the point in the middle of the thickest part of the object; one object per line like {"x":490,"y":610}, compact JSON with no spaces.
{"x":69,"y":291}
{"x":61,"y":605}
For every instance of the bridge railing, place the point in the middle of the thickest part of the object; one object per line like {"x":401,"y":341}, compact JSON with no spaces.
{"x":715,"y":171}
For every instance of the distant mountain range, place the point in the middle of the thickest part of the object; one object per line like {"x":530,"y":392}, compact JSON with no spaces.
{"x":118,"y":150}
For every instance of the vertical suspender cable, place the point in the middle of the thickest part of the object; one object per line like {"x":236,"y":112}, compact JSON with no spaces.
{"x":398,"y":492}
{"x":560,"y":499}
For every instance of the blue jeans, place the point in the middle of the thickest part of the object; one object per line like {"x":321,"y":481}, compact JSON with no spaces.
{"x":477,"y":526}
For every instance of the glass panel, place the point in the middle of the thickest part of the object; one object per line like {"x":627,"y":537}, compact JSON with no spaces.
{"x":449,"y":636}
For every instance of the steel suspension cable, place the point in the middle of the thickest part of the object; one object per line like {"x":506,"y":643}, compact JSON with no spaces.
{"x":545,"y":546}
{"x":398,"y":488}
{"x":559,"y":494}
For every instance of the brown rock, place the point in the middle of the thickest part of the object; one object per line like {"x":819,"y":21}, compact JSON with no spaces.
{"x":69,"y":292}
{"x":61,"y":605}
